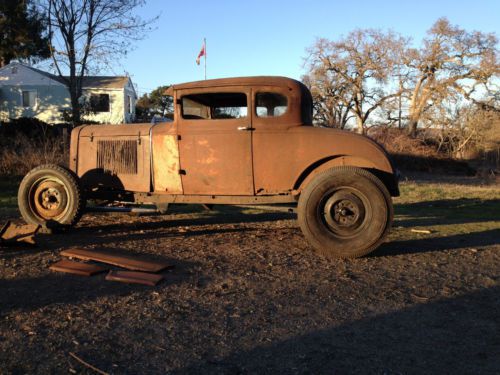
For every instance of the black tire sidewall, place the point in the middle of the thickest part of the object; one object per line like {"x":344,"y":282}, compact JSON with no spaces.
{"x":375,"y":226}
{"x":74,"y":198}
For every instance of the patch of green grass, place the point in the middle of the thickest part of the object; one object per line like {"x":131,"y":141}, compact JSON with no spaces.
{"x":445,"y":210}
{"x":8,"y":196}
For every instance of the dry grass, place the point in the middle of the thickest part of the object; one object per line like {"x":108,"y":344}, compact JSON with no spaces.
{"x":22,"y":154}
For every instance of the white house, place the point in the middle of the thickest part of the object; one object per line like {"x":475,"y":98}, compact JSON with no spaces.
{"x":29,"y":92}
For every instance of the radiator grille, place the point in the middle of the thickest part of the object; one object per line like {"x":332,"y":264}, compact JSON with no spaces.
{"x":117,"y":157}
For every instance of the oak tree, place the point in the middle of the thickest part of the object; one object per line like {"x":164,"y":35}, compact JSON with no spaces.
{"x":450,"y":61}
{"x":354,"y":74}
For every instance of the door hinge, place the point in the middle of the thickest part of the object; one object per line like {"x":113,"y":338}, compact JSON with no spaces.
{"x":182,"y":171}
{"x":179,"y":137}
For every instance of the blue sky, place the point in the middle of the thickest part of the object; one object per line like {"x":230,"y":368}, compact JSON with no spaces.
{"x":246,"y":38}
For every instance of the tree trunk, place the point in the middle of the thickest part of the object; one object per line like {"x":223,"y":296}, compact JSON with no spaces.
{"x":75,"y":108}
{"x":412,"y":127}
{"x":5,"y":60}
{"x":360,"y":125}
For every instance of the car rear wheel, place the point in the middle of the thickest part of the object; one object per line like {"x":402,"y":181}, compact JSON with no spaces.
{"x":345,"y":212}
{"x":50,"y":195}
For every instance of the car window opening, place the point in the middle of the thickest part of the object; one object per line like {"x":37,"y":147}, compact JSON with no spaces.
{"x":270,"y":104}
{"x":214,"y":106}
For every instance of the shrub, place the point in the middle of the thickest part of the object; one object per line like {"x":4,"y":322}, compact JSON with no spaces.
{"x":26,"y":143}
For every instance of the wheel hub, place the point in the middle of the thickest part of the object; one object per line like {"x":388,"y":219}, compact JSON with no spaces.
{"x":50,"y":199}
{"x":344,"y":213}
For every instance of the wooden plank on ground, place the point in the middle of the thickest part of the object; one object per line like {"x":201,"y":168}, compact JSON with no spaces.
{"x":77,"y":268}
{"x":117,"y":258}
{"x":12,"y":234}
{"x":134,"y":277}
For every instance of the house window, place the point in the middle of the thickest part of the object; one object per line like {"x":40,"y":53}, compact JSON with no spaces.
{"x":129,"y":104}
{"x":29,"y":99}
{"x":99,"y":102}
{"x":270,"y":104}
{"x":214,"y":106}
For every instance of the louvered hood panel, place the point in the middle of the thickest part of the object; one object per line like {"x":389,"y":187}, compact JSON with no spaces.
{"x":116,"y":156}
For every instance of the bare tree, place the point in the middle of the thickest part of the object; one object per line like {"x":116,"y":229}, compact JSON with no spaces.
{"x":88,"y":33}
{"x":354,"y":74}
{"x":332,"y":105}
{"x":451,"y":60}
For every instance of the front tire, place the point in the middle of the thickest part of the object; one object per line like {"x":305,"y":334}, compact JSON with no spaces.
{"x":50,"y":195}
{"x":345,"y":212}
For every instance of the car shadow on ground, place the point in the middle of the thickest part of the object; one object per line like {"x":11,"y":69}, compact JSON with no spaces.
{"x":208,"y":218}
{"x":446,"y":211}
{"x":88,"y":237}
{"x":31,"y":293}
{"x":95,"y":233}
{"x":425,"y":245}
{"x":456,"y":335}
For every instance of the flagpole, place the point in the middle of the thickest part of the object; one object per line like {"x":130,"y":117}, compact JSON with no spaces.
{"x":205,"y":43}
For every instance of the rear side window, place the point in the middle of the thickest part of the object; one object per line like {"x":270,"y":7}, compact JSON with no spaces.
{"x":214,"y":106}
{"x":269,"y":104}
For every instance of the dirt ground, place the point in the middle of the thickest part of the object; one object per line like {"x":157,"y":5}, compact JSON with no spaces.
{"x":248,"y":295}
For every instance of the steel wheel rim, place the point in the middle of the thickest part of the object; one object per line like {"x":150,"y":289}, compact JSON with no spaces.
{"x":345,"y":211}
{"x":48,"y":198}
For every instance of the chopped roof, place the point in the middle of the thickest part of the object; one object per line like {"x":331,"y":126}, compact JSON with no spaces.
{"x":240,"y":81}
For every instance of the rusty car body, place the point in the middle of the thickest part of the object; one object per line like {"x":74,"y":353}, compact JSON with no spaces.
{"x":243,"y":140}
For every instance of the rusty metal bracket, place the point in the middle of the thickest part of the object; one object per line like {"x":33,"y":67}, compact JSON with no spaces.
{"x":12,"y":234}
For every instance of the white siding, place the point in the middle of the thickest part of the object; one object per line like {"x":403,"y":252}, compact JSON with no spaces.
{"x":24,"y":77}
{"x":116,"y":114}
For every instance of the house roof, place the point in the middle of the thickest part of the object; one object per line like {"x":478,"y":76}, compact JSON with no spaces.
{"x":46,"y":74}
{"x":94,"y":82}
{"x":110,"y":82}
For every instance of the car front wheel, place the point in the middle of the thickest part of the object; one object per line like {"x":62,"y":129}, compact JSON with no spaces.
{"x":50,"y":195}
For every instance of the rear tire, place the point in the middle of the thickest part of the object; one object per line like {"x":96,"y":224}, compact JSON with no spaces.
{"x":50,"y":195}
{"x":345,"y":212}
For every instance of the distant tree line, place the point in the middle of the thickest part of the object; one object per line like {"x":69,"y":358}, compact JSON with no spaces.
{"x":448,"y":84}
{"x":153,"y":104}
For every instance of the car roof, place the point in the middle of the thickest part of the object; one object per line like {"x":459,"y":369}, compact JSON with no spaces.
{"x":240,"y":81}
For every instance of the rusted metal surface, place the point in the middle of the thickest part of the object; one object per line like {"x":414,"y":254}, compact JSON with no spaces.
{"x":288,"y":209}
{"x":166,"y":164}
{"x":132,"y":277}
{"x":77,"y":268}
{"x":117,"y":157}
{"x":12,"y":234}
{"x":117,"y":258}
{"x":298,"y":151}
{"x":225,"y":160}
{"x":49,"y":199}
{"x":132,"y":210}
{"x":216,"y":154}
{"x":214,"y":199}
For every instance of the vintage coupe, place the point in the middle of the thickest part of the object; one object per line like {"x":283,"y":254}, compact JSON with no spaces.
{"x":243,"y":140}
